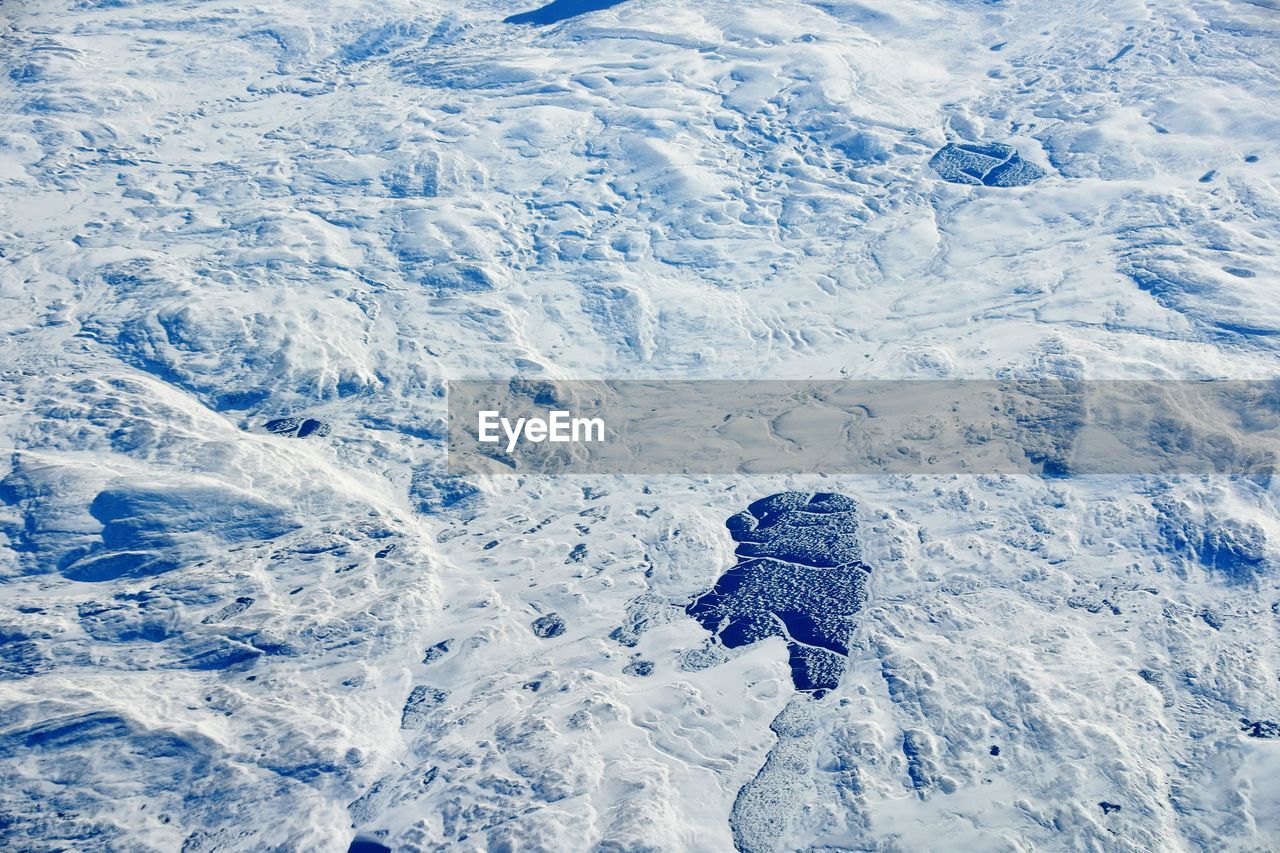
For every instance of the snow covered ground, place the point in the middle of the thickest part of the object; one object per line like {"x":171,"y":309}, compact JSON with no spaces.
{"x":216,"y":635}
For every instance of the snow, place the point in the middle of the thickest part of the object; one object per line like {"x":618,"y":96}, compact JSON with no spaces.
{"x":215,"y":633}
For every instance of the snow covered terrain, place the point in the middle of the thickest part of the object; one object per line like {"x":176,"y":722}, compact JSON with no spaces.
{"x":244,"y":605}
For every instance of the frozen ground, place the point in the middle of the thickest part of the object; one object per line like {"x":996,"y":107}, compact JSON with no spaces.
{"x":220,"y":635}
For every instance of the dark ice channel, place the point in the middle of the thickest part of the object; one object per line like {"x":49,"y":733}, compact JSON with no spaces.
{"x":559,"y":10}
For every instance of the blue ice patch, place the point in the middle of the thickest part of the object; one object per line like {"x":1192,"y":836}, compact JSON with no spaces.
{"x":799,"y":576}
{"x":559,"y":10}
{"x":993,"y":164}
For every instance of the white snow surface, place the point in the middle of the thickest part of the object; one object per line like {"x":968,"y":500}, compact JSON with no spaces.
{"x":216,"y":214}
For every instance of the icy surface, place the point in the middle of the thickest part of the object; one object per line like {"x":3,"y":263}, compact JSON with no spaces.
{"x":992,"y":164}
{"x":559,"y":10}
{"x":798,"y":577}
{"x":220,"y":635}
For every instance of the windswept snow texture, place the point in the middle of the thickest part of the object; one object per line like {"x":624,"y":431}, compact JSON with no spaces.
{"x":243,"y":606}
{"x":799,"y":576}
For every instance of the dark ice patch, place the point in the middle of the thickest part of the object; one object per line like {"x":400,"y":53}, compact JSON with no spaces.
{"x":548,"y":626}
{"x":1262,"y":729}
{"x":559,"y":10}
{"x":799,"y":576}
{"x":297,"y":427}
{"x":436,"y":652}
{"x":992,"y":164}
{"x":639,"y":668}
{"x":418,"y":707}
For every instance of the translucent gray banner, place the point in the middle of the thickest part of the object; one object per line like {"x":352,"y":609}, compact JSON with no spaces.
{"x":1051,"y":428}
